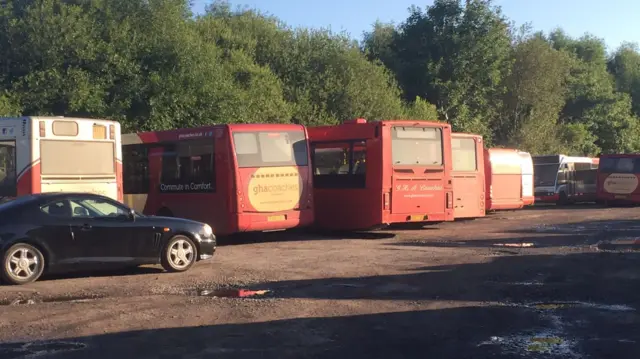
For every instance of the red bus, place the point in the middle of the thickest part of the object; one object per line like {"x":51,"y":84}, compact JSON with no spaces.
{"x":236,"y":178}
{"x":617,"y":179}
{"x":371,"y":174}
{"x":60,"y":154}
{"x":467,"y":152}
{"x":503,"y":170}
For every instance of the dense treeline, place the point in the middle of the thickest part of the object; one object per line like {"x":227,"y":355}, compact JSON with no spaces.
{"x":152,"y":64}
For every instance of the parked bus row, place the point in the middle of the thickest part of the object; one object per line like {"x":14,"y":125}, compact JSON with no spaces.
{"x":263,"y":177}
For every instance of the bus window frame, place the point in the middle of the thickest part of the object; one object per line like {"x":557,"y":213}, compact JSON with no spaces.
{"x":439,"y":131}
{"x":297,"y":159}
{"x":475,"y":154}
{"x":350,"y":180}
{"x":10,"y":189}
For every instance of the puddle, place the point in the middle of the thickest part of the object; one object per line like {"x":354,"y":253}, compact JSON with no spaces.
{"x":232,"y":293}
{"x":565,"y":305}
{"x":548,"y":343}
{"x":516,"y":245}
{"x":61,"y":299}
{"x":35,"y":349}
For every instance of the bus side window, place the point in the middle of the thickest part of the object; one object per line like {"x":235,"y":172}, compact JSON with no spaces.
{"x":188,"y":166}
{"x":136,"y":169}
{"x":339,"y":164}
{"x":8,"y":180}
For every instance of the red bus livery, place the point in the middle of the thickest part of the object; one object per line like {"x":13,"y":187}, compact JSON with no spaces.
{"x":468,"y":176}
{"x":503,"y":170}
{"x":237,"y":178}
{"x":57,"y":154}
{"x":371,"y":174}
{"x":618,"y":179}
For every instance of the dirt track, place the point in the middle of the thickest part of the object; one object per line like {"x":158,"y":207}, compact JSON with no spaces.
{"x":449,"y":291}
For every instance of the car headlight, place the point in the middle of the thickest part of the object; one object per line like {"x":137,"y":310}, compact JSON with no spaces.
{"x":207,"y":231}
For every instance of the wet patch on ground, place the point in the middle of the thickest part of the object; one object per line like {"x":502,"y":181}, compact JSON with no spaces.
{"x":561,"y":337}
{"x":37,"y":349}
{"x":56,"y":299}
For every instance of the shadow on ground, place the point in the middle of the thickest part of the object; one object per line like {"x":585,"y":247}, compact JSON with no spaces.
{"x":602,"y":277}
{"x":505,"y":308}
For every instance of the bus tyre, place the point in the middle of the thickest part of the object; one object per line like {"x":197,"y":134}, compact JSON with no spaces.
{"x":21,"y":264}
{"x":564,"y":200}
{"x":179,"y":254}
{"x":164,"y":212}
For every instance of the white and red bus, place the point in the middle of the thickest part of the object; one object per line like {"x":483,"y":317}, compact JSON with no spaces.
{"x":528,"y":197}
{"x":564,"y":179}
{"x":58,"y":154}
{"x":619,"y":178}
{"x":236,"y":178}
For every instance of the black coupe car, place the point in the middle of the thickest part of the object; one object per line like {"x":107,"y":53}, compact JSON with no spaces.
{"x":61,"y":232}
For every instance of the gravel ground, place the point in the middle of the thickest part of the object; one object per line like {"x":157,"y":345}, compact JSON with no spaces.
{"x":548,"y":282}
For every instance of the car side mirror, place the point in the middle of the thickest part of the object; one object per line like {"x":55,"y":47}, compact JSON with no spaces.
{"x":132,"y":215}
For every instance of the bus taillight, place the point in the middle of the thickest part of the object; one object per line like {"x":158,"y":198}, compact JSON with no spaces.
{"x":43,"y":131}
{"x":449,"y":199}
{"x":386,"y":200}
{"x":112,"y":132}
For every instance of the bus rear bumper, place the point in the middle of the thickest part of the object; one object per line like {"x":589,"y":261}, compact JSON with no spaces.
{"x":398,"y":218}
{"x":553,"y":198}
{"x":257,"y":222}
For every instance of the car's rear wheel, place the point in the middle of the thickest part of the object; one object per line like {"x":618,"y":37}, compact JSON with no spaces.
{"x":21,"y":264}
{"x":179,"y":254}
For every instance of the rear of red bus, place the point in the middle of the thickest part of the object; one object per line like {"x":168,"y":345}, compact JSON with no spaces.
{"x":417,"y":184}
{"x":503,"y":173}
{"x":618,"y":179}
{"x":467,"y":152}
{"x":273,"y":179}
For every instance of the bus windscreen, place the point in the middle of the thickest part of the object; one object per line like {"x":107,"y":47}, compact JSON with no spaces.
{"x":545,"y":175}
{"x":271,"y":148}
{"x":416,"y":146}
{"x":620,"y":165}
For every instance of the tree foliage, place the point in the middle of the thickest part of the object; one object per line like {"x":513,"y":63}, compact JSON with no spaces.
{"x":152,"y":64}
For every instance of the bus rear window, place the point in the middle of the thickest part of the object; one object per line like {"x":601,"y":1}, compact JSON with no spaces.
{"x":74,"y":158}
{"x":620,"y":165}
{"x":8,"y":185}
{"x":464,"y":154}
{"x":270,"y":149}
{"x":416,"y":146}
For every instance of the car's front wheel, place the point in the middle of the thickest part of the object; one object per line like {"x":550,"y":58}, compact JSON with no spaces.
{"x":21,"y":264}
{"x":179,"y":254}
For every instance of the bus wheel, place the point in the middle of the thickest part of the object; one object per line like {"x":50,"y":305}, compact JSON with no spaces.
{"x":164,"y":212}
{"x":179,"y":254}
{"x":22,"y":264}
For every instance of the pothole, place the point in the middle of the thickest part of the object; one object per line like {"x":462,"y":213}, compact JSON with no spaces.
{"x":57,"y":299}
{"x":34,"y":349}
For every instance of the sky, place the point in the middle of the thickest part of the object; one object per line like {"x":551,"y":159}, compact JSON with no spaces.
{"x":615,"y":21}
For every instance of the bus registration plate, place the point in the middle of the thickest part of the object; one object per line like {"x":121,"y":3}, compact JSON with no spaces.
{"x":416,"y":218}
{"x":620,"y":196}
{"x":276,"y":218}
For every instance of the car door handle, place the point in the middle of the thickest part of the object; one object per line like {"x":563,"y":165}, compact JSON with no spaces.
{"x":85,"y":227}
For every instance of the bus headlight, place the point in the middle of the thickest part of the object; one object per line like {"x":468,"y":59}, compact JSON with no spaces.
{"x":207,"y":231}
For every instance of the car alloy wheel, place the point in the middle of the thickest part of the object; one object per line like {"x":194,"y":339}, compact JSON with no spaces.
{"x":180,"y":254}
{"x":23,"y":264}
